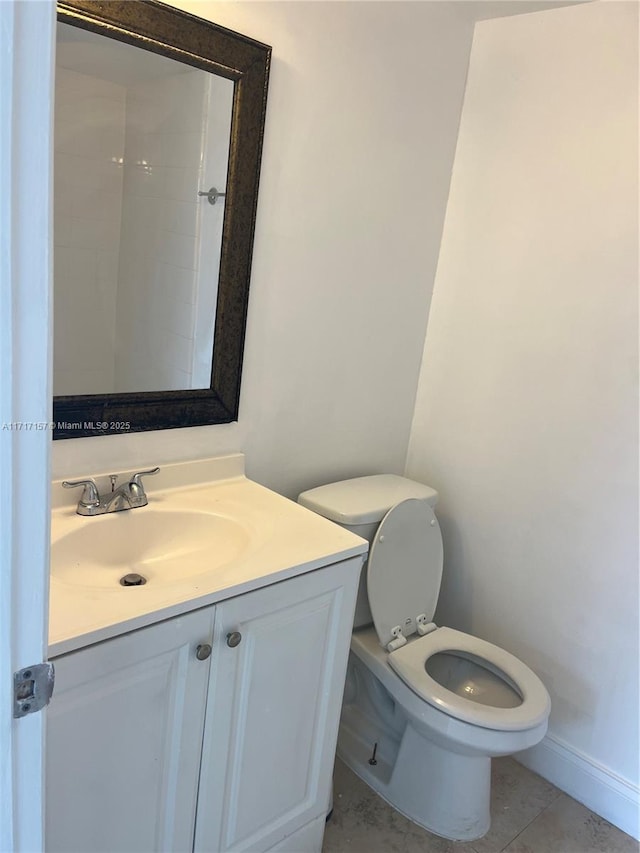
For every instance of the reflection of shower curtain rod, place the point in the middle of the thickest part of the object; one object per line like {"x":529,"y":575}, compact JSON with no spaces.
{"x":212,"y":195}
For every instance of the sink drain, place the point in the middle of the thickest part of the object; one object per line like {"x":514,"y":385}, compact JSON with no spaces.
{"x":133,"y":579}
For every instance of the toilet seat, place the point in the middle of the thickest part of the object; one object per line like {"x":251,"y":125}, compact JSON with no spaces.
{"x":409,"y":663}
{"x":404,"y":570}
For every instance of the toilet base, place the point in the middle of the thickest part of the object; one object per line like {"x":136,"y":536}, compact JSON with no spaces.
{"x":444,"y":792}
{"x":436,"y":783}
{"x":432,"y":767}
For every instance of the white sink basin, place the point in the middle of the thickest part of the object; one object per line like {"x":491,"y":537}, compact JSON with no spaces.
{"x":164,"y":546}
{"x":208,"y":533}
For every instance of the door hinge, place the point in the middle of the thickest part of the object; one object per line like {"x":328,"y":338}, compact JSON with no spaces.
{"x":32,"y":688}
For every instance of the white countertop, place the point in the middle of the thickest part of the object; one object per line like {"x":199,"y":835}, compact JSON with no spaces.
{"x":280,"y":539}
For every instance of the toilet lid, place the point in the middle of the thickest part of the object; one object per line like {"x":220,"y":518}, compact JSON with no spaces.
{"x":404,"y":568}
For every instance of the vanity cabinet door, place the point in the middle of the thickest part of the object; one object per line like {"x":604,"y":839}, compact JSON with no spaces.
{"x":272,"y":713}
{"x":124,"y":738}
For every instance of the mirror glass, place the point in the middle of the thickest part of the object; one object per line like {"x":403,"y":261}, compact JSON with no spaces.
{"x":159,"y":124}
{"x":137,"y":249}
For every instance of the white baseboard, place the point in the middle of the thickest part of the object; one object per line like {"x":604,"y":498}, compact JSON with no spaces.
{"x":602,"y":791}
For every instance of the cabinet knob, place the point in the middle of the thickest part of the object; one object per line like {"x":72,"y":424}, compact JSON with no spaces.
{"x":233,"y":639}
{"x":203,"y":651}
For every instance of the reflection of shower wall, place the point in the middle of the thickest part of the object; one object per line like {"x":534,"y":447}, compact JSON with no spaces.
{"x":159,"y":233}
{"x":88,"y":151}
{"x":218,"y":111}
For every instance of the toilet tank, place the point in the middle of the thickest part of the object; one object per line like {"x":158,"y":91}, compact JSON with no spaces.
{"x":360,"y":505}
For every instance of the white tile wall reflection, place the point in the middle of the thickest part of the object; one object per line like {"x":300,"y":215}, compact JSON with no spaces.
{"x":160,"y":230}
{"x":135,"y":291}
{"x":89,"y":147}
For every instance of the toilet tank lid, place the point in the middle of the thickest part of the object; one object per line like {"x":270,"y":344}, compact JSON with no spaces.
{"x":364,"y":500}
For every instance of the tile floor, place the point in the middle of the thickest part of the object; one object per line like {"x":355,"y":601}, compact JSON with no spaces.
{"x":528,"y":815}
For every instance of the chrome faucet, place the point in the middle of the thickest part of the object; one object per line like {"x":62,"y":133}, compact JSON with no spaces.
{"x":127,"y":496}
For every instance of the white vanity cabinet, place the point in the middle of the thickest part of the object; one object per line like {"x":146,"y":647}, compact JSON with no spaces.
{"x":273,"y":710}
{"x":122,"y":740}
{"x":150,"y":748}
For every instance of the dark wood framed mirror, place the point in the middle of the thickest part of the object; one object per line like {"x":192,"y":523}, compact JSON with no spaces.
{"x":147,"y":25}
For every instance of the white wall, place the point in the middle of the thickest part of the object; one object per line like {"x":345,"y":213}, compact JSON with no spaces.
{"x":526,"y":417}
{"x":348,"y":228}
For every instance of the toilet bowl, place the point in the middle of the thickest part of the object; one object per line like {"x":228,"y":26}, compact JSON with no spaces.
{"x":425,"y":707}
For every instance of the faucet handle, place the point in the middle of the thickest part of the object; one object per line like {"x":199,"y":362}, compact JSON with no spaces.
{"x":90,"y":496}
{"x":136,"y":481}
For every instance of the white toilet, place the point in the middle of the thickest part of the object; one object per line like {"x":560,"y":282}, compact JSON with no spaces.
{"x":425,"y":708}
